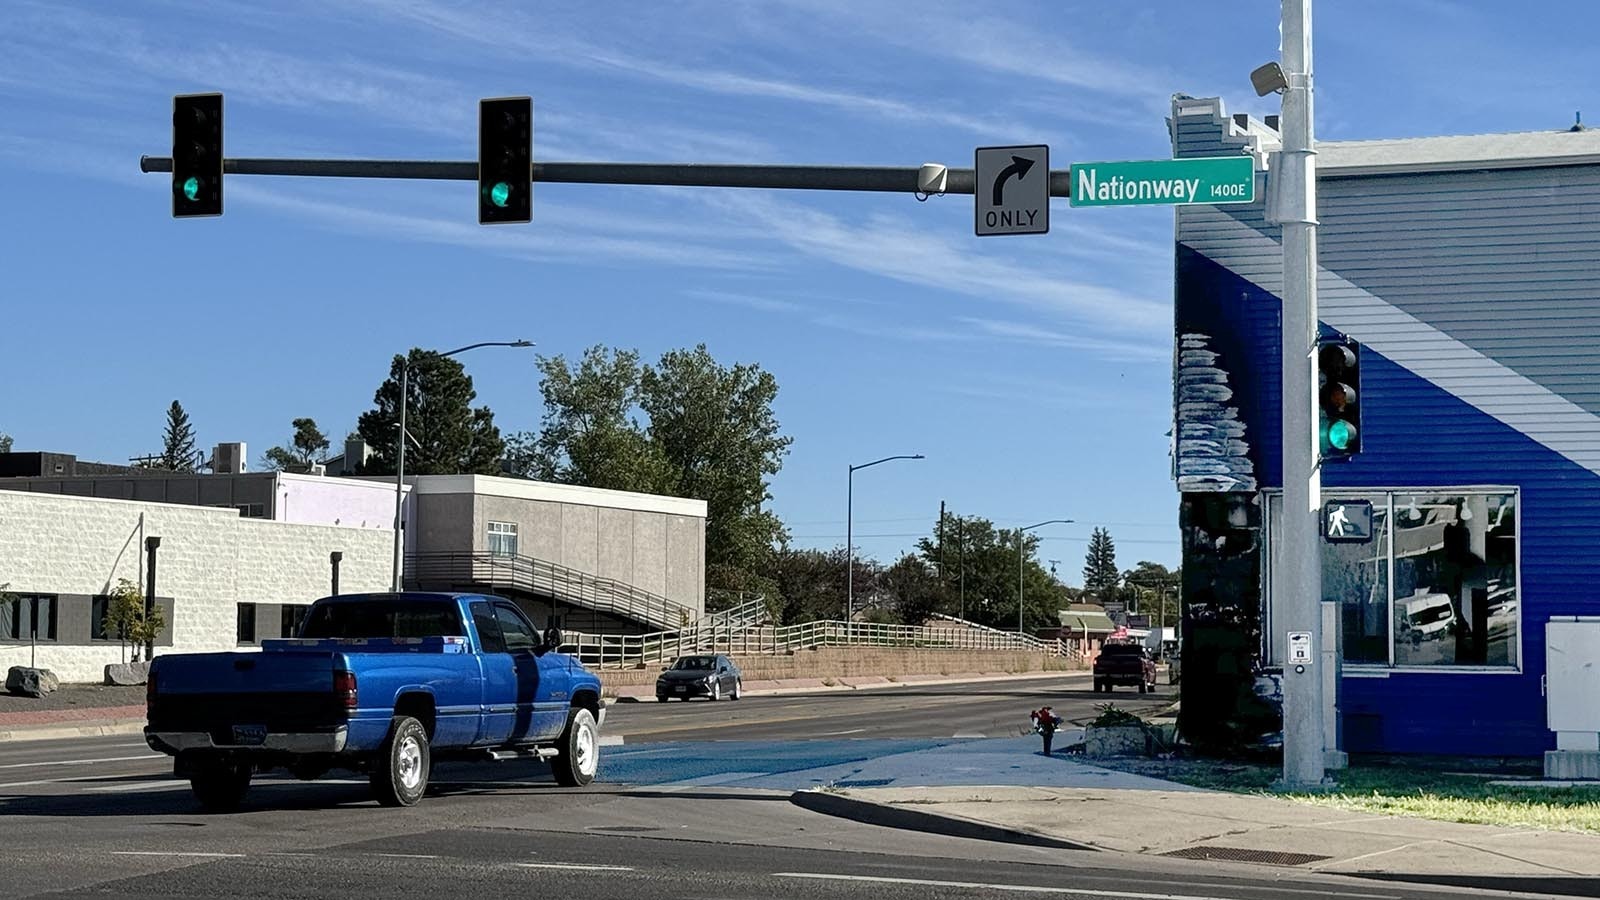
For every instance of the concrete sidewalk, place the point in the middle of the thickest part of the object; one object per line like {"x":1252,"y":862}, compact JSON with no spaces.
{"x":783,"y":686}
{"x":1088,"y":807}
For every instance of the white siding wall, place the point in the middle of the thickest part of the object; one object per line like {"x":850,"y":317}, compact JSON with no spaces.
{"x":209,"y":561}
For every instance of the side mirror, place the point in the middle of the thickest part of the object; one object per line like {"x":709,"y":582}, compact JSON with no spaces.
{"x":552,"y":637}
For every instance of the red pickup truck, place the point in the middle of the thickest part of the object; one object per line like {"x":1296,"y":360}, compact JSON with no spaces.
{"x":1124,"y":664}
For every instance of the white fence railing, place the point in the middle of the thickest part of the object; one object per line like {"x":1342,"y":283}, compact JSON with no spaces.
{"x":621,"y":651}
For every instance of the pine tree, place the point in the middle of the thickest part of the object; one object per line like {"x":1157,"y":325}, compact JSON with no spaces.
{"x":1100,"y":574}
{"x":178,"y":450}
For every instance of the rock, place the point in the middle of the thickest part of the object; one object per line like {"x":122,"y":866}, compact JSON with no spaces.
{"x":128,"y":673}
{"x":31,"y":682}
{"x":1120,"y":740}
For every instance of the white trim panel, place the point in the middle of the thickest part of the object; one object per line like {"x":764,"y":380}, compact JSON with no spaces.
{"x":519,"y":489}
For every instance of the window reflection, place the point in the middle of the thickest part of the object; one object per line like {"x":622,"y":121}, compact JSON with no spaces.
{"x":1455,"y":579}
{"x":1357,"y":577}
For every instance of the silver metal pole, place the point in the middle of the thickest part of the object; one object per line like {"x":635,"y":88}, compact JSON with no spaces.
{"x":400,"y":473}
{"x":1019,"y":581}
{"x":1297,"y":581}
{"x":849,"y":550}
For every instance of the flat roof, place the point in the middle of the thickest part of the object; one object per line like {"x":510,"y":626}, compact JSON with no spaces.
{"x":1513,"y":150}
{"x":522,"y":489}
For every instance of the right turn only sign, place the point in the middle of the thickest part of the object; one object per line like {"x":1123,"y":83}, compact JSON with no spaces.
{"x":1012,"y":190}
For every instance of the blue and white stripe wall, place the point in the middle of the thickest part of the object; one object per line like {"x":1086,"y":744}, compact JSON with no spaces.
{"x":1476,"y":297}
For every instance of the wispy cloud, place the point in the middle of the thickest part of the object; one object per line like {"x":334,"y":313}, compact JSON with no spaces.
{"x":890,"y":248}
{"x":1026,"y":332}
{"x":509,"y":33}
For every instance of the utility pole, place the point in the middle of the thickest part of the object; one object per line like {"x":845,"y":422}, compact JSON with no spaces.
{"x":1297,"y":580}
{"x":941,"y":542}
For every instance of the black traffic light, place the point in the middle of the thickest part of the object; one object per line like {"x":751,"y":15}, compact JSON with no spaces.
{"x":196,"y":155}
{"x":1339,"y":397}
{"x":505,"y":160}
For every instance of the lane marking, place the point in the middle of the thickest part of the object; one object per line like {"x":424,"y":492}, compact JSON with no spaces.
{"x":196,"y":854}
{"x":82,"y":762}
{"x":838,"y":733}
{"x":611,"y":740}
{"x":137,"y":786}
{"x":575,"y":867}
{"x":406,"y":855}
{"x":970,"y":736}
{"x":1011,"y":888}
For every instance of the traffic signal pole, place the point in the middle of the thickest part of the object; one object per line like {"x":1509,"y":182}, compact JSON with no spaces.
{"x":883,"y":179}
{"x":1297,"y":576}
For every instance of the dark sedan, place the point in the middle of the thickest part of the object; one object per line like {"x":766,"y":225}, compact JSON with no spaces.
{"x":708,"y":675}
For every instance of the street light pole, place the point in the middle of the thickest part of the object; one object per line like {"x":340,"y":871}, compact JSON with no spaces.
{"x":400,"y":453}
{"x":849,"y":536}
{"x":1021,"y":548}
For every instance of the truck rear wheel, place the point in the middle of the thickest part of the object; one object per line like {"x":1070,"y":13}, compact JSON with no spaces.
{"x":220,"y":787}
{"x":579,"y":750}
{"x":400,"y":772}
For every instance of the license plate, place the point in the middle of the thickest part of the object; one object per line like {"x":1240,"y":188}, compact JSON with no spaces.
{"x":681,"y":689}
{"x":249,"y":735}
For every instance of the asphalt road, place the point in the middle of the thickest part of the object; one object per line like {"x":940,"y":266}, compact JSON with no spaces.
{"x":980,"y":709}
{"x":102,"y":817}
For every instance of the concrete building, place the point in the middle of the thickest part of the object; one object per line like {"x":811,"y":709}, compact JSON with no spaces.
{"x":1468,"y":269}
{"x":601,"y":561}
{"x":223,"y":581}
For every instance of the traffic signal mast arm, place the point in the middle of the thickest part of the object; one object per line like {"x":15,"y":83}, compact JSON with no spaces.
{"x":886,"y":179}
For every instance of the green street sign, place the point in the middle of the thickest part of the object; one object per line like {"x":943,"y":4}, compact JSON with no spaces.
{"x":1218,"y":179}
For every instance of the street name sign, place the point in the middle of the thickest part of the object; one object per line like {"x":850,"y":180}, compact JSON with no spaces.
{"x":1217,"y":179}
{"x":1012,"y":194}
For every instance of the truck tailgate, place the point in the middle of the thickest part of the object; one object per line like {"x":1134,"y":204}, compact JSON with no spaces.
{"x":282,"y":692}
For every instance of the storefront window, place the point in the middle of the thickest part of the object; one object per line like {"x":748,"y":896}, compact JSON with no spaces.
{"x":1435,"y":586}
{"x":1357,"y":576}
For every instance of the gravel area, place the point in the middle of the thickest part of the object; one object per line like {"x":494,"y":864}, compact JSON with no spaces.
{"x":74,"y":696}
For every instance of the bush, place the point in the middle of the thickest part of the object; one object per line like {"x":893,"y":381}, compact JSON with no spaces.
{"x":1111,"y":717}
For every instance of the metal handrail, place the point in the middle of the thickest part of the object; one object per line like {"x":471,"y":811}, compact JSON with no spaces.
{"x":635,"y":650}
{"x":564,"y":583}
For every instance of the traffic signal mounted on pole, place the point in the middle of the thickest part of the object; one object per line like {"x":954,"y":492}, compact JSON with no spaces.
{"x":196,"y":155}
{"x":1338,"y":397}
{"x":505,"y":160}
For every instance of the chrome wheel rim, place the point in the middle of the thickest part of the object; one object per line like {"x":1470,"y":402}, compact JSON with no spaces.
{"x":409,"y":763}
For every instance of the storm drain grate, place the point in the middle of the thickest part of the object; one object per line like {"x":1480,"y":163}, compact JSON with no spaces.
{"x":865,"y":782}
{"x":1246,"y":855}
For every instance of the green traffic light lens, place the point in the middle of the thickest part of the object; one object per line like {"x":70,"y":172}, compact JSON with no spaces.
{"x":500,"y":194}
{"x":191,"y":188}
{"x":1341,"y":435}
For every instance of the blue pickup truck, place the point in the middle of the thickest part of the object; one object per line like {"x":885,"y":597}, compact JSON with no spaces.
{"x":385,"y":684}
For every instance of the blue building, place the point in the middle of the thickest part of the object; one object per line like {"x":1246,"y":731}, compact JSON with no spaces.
{"x":1468,"y":268}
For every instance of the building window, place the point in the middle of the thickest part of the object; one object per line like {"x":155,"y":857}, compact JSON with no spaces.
{"x":247,"y":623}
{"x":293,"y":615}
{"x":251,"y":510}
{"x":502,"y":539}
{"x":1436,"y":586}
{"x":28,"y":617}
{"x":99,"y":614}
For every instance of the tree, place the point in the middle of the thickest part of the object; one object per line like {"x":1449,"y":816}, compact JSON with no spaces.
{"x":449,"y":436}
{"x":1154,"y":591}
{"x":307,"y":445}
{"x":981,"y":562}
{"x":589,"y":434}
{"x":5,"y":442}
{"x":716,"y":428}
{"x":177,"y":444}
{"x":811,"y":584}
{"x":914,"y":589}
{"x":125,"y":616}
{"x":1100,"y":575}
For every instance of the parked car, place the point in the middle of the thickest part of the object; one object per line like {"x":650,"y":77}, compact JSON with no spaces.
{"x":1427,"y":616}
{"x":1126,"y":663}
{"x":702,"y":675}
{"x":386,"y":684}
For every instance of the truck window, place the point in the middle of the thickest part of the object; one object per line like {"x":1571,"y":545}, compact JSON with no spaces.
{"x":382,"y":619}
{"x":488,"y":628}
{"x":519,"y":637}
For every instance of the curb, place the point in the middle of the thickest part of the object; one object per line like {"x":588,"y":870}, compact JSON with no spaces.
{"x":65,"y":731}
{"x":869,"y":813}
{"x":843,"y":688}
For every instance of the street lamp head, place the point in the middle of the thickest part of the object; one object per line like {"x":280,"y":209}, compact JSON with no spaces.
{"x":522,"y":343}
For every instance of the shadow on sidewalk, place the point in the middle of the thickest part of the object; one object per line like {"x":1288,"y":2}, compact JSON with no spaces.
{"x":1559,"y":885}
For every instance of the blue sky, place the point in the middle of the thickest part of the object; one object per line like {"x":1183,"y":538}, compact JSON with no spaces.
{"x":1033,"y":372}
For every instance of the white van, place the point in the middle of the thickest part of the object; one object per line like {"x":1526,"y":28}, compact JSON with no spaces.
{"x":1424,"y":617}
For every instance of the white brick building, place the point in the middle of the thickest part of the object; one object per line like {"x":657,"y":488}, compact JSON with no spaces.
{"x":223,"y":581}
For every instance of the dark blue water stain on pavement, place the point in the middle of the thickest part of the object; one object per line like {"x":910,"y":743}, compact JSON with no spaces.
{"x":667,"y":762}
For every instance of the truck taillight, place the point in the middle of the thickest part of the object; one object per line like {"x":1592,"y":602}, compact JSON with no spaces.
{"x":344,"y":685}
{"x":150,"y":692}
